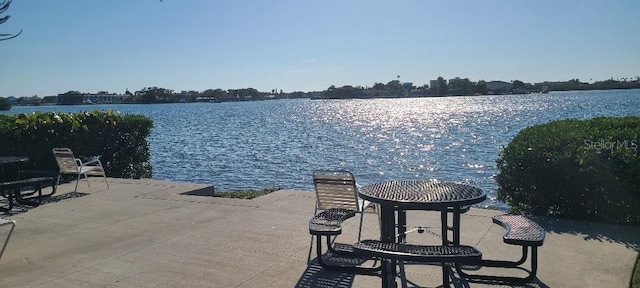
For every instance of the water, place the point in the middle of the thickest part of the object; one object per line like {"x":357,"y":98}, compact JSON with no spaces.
{"x":243,"y":145}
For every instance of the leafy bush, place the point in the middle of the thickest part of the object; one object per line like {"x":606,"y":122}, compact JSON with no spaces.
{"x":577,"y":169}
{"x":119,"y":140}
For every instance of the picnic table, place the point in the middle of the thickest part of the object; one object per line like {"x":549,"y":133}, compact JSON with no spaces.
{"x":400,"y":196}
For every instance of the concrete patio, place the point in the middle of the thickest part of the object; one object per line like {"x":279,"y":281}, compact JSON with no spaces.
{"x":152,"y":233}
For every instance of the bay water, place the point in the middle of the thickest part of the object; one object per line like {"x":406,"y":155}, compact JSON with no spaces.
{"x":279,"y":143}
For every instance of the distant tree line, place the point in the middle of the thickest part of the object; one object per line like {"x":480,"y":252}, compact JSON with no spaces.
{"x":575,"y":84}
{"x":464,"y":87}
{"x":149,"y":95}
{"x":392,"y":89}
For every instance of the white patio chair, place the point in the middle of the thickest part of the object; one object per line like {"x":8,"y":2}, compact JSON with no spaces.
{"x":68,"y":164}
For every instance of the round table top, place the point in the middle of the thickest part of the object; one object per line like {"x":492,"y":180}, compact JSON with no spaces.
{"x":422,"y":194}
{"x":13,"y":159}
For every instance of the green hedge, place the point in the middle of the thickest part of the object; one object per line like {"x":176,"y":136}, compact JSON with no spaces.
{"x":577,"y":169}
{"x":119,"y":140}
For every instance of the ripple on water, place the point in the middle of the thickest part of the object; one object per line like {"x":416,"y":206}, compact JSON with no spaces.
{"x":279,"y":143}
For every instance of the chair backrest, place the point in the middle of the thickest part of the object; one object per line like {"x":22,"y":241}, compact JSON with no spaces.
{"x":66,"y":160}
{"x":335,"y":189}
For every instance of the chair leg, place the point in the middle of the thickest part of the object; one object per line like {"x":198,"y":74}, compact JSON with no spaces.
{"x":13,"y":226}
{"x":87,"y":179}
{"x":77,"y":180}
{"x":58,"y":179}
{"x":105,"y":179}
{"x":315,"y":211}
{"x":379,"y":220}
{"x":360,"y":228}
{"x":310,"y":248}
{"x":354,"y":269}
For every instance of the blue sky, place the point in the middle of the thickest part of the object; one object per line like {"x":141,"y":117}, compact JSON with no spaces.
{"x":305,"y":45}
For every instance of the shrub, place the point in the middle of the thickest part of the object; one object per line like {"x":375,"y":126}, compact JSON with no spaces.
{"x":119,"y":140}
{"x":577,"y":169}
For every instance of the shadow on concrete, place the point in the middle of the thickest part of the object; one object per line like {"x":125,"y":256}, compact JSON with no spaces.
{"x":316,"y":276}
{"x":461,"y":282}
{"x":21,"y":208}
{"x":206,"y":191}
{"x":603,"y":232}
{"x":465,"y":284}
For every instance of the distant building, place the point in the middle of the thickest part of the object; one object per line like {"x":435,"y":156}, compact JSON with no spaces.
{"x":417,"y":93}
{"x":104,"y":97}
{"x":434,"y":84}
{"x":406,"y":86}
{"x":183,"y":96}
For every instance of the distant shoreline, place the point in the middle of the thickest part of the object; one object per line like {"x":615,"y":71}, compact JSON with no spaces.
{"x":363,"y":94}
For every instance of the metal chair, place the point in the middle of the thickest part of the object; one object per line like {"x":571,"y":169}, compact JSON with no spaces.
{"x":4,"y":222}
{"x":68,"y":164}
{"x":336,"y":194}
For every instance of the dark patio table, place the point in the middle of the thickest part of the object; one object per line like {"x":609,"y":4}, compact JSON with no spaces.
{"x":447,"y":197}
{"x":11,"y":160}
{"x":11,"y":185}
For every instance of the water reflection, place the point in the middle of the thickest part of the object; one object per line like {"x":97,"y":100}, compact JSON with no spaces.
{"x":279,"y":143}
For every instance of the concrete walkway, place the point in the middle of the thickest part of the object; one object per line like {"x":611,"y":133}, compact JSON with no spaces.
{"x":151,"y":233}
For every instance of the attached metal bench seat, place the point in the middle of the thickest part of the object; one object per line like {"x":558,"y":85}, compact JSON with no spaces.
{"x":12,"y":189}
{"x":53,"y":174}
{"x":521,"y":231}
{"x":329,"y":222}
{"x":418,"y":253}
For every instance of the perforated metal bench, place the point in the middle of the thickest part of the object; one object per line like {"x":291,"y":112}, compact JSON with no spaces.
{"x":418,"y":253}
{"x":329,"y":223}
{"x":521,"y":231}
{"x":12,"y":190}
{"x":54,"y":174}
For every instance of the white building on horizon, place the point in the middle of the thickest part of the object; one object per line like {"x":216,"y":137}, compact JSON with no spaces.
{"x":104,"y":97}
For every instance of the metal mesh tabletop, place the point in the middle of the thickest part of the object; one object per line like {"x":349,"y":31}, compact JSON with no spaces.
{"x":422,"y":194}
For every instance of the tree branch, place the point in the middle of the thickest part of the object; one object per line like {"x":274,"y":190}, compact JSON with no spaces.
{"x":4,"y":6}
